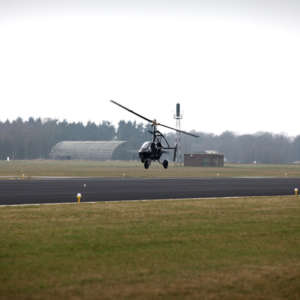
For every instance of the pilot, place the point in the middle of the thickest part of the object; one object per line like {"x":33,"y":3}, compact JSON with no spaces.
{"x":153,"y":148}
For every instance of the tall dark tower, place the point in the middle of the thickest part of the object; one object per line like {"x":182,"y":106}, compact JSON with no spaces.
{"x":178,"y":118}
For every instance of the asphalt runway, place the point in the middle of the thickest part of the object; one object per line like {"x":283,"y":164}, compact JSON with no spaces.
{"x":96,"y":189}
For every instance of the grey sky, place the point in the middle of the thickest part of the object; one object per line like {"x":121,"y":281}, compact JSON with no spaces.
{"x":234,"y":65}
{"x":266,"y":8}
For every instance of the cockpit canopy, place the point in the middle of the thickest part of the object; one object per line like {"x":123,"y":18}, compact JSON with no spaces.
{"x":146,"y":147}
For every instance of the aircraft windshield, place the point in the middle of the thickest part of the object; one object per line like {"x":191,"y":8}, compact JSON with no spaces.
{"x":145,"y":147}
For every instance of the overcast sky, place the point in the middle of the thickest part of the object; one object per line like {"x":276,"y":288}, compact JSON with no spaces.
{"x":233,"y":65}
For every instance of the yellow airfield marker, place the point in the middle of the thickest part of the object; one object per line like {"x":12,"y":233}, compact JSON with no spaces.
{"x":296,"y":191}
{"x":78,"y":197}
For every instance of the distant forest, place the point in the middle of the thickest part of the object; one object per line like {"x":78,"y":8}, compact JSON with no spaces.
{"x":34,"y":138}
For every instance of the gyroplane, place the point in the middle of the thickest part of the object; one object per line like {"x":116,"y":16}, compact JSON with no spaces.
{"x":153,"y":150}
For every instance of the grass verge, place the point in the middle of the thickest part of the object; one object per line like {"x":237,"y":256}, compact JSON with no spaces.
{"x":246,"y":248}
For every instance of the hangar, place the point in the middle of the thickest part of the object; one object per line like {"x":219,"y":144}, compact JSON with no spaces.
{"x":90,"y":150}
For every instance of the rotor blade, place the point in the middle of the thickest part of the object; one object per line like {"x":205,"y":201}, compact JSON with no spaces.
{"x":152,"y":121}
{"x":114,"y":102}
{"x":191,"y":134}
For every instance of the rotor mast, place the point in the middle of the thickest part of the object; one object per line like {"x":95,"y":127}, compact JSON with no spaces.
{"x":154,"y":126}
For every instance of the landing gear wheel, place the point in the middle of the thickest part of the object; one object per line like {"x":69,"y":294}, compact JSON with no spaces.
{"x":165,"y":164}
{"x":147,"y":164}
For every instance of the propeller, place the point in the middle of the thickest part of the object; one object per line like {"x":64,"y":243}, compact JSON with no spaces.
{"x":153,"y":122}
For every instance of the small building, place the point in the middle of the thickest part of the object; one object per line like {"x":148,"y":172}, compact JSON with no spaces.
{"x":89,"y":150}
{"x":204,"y":160}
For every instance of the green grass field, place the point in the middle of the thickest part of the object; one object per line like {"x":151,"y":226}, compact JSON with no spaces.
{"x":245,"y":248}
{"x":135,"y":169}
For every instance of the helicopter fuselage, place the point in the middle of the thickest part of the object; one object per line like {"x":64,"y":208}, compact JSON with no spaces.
{"x":150,"y":151}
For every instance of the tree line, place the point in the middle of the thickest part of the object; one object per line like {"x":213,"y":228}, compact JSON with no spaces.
{"x":34,"y":138}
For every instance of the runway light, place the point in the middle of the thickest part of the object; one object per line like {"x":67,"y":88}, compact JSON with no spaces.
{"x":296,"y":191}
{"x":78,"y":197}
